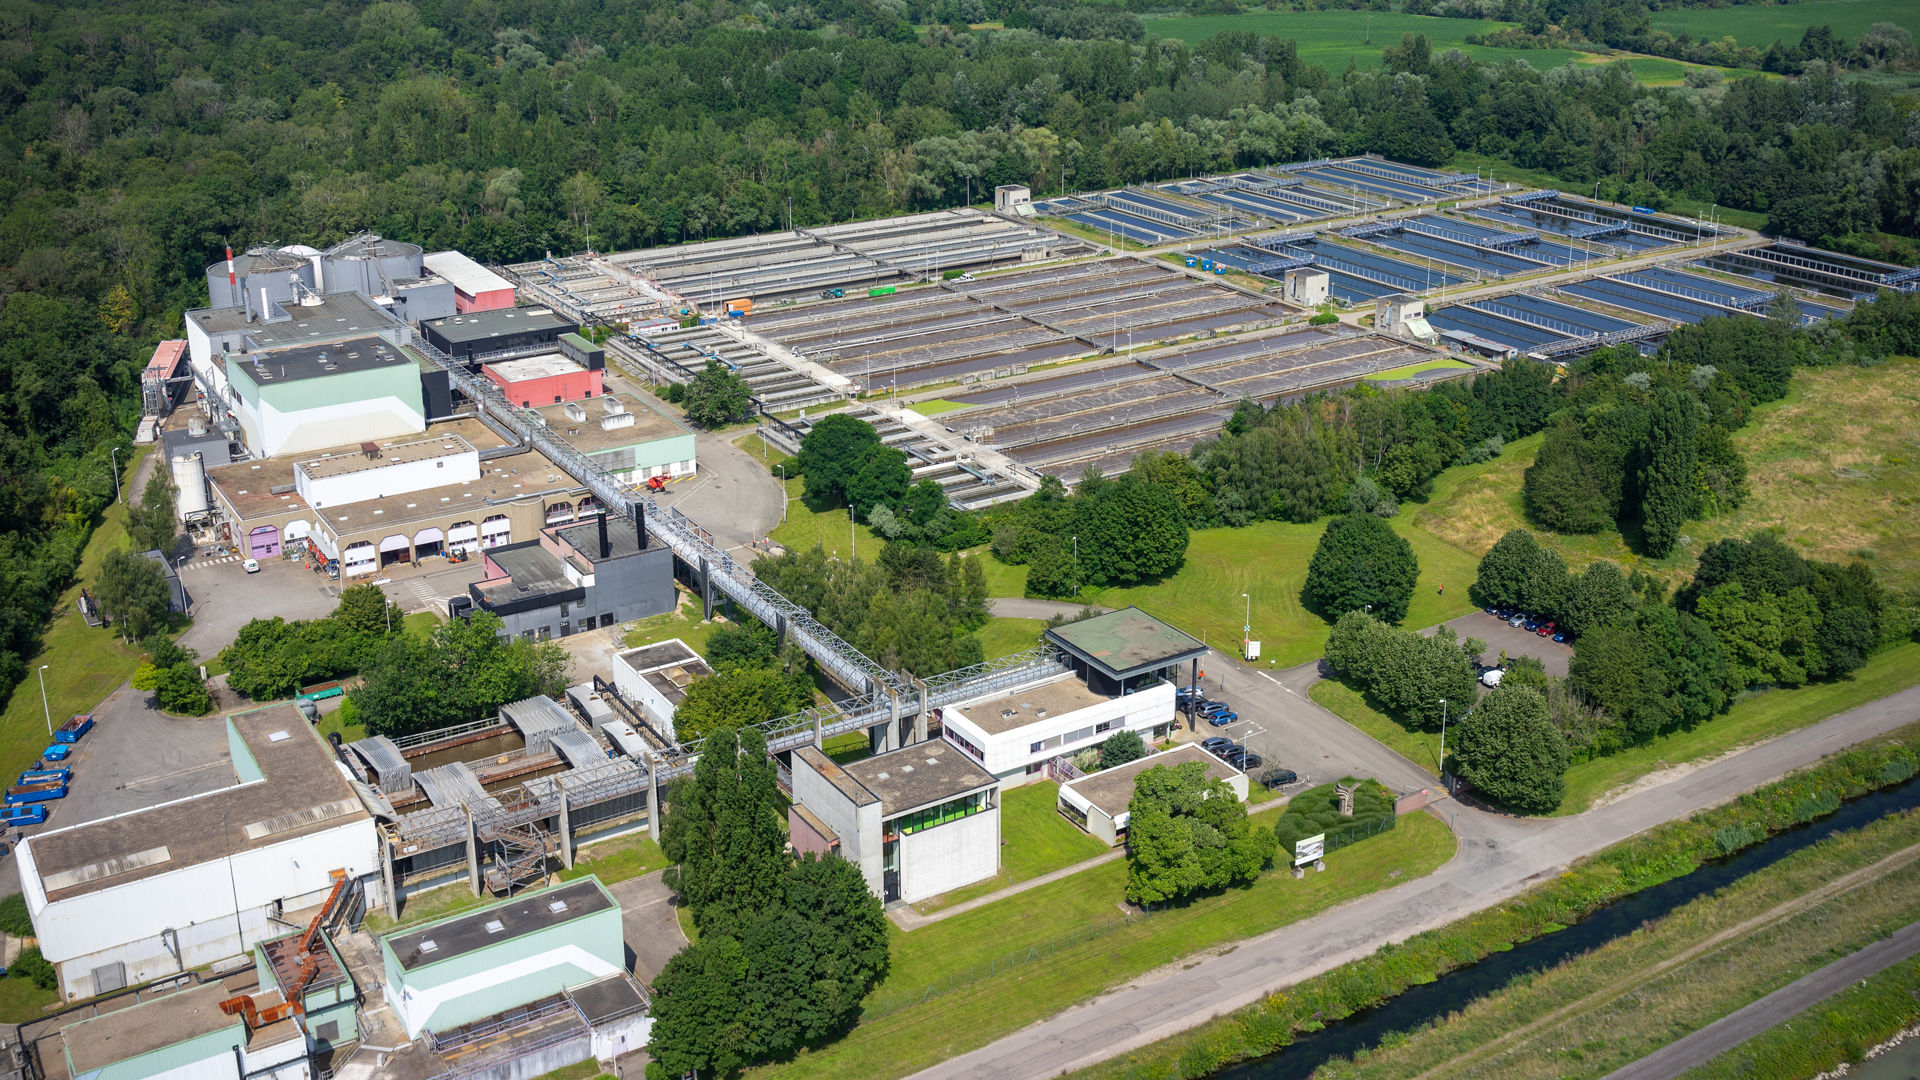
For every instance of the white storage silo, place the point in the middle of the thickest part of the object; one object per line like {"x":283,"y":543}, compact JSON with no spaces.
{"x":190,"y":477}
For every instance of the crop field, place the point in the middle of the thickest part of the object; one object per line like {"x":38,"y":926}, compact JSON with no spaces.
{"x":1332,"y":39}
{"x":1760,"y":25}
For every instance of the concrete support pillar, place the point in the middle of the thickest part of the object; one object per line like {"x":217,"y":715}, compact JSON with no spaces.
{"x":706,"y":589}
{"x":819,"y":733}
{"x":653,"y":796}
{"x":386,"y":876}
{"x":473,"y":852}
{"x":920,"y":711}
{"x":779,"y":630}
{"x":566,"y":829}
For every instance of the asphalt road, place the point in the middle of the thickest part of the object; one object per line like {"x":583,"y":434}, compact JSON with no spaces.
{"x":1497,"y":858}
{"x":648,"y":923}
{"x":1773,"y":1010}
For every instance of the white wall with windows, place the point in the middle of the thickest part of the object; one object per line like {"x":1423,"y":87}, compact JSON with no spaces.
{"x":1020,"y":753}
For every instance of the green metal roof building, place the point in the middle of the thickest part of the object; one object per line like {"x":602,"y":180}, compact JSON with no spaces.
{"x":535,"y":945}
{"x":182,"y":1033}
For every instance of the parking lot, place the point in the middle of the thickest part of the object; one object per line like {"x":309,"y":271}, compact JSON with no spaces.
{"x":225,"y":597}
{"x":1513,"y":641}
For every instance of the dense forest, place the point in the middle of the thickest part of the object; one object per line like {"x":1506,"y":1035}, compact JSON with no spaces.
{"x":138,"y":144}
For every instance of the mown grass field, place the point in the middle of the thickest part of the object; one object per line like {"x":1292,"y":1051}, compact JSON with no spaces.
{"x":952,"y":1023}
{"x":1034,"y":840}
{"x":1333,"y":39}
{"x":1616,"y":1004}
{"x":1760,"y":25}
{"x":1414,"y":369}
{"x":1268,"y":561}
{"x":1420,"y":747}
{"x":1004,"y":637}
{"x":1834,"y":469}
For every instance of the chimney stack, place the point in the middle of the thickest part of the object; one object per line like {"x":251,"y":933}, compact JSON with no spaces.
{"x":639,"y":527}
{"x":606,"y":548}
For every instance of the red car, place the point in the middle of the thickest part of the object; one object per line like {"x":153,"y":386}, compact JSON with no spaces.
{"x":1546,"y":629}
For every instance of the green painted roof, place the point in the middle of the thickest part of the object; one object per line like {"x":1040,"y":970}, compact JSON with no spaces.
{"x":1126,"y":641}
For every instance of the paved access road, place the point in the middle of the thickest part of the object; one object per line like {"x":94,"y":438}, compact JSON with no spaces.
{"x":1773,"y":1010}
{"x":1498,"y":857}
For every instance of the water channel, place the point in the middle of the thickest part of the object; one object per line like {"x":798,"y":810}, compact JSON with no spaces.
{"x":1421,"y":1005}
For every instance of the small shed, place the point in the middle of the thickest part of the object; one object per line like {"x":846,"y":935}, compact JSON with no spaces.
{"x":1098,"y":802}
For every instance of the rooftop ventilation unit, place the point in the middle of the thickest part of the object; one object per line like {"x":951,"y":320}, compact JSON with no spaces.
{"x":575,"y":412}
{"x":616,"y":420}
{"x":613,"y":404}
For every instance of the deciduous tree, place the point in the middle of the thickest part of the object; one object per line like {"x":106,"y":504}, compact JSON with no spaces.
{"x":1510,"y":751}
{"x":1120,"y":748}
{"x":716,"y":397}
{"x":1669,"y":490}
{"x":1361,"y":563}
{"x":1186,"y":834}
{"x":133,"y":591}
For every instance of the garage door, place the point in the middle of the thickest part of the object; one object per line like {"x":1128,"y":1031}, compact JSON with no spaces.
{"x":360,"y":558}
{"x":428,"y":542}
{"x":495,"y":531}
{"x":463,"y":536}
{"x":263,"y":542}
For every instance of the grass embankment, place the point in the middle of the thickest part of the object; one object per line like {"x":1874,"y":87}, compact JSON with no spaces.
{"x":1003,"y":637}
{"x":1839,"y":1029}
{"x":1411,"y":370}
{"x":1763,"y":716}
{"x":1659,"y":854}
{"x":1508,"y":172}
{"x":970,"y":1016}
{"x":1034,"y":840}
{"x":683,"y":622}
{"x":1268,"y":560}
{"x":1604,"y":1009}
{"x":84,"y":664}
{"x":936,"y":406}
{"x":1834,"y":469}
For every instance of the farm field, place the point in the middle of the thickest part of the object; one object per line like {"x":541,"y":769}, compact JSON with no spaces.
{"x":1760,"y":25}
{"x":1332,"y":39}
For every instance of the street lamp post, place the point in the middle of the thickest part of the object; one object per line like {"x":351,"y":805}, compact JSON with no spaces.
{"x":1246,"y":626}
{"x":47,"y":708}
{"x":853,"y":537}
{"x":784,"y":498}
{"x":1443,"y":743}
{"x":114,"y":452}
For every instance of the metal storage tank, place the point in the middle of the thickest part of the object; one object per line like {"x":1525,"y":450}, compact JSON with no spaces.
{"x":258,"y":268}
{"x":190,"y":476}
{"x":369,"y":264}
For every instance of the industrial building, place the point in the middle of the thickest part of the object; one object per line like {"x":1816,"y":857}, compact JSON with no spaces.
{"x":475,"y":288}
{"x":457,"y":487}
{"x":1099,"y":802}
{"x":313,"y":396}
{"x":478,"y":334}
{"x":219,"y":336}
{"x":918,"y":821}
{"x":575,"y":578}
{"x":184,"y":1033}
{"x":150,"y":893}
{"x":626,"y":436}
{"x":1126,"y":651}
{"x":1014,"y":734}
{"x":543,"y":380}
{"x":655,"y":677}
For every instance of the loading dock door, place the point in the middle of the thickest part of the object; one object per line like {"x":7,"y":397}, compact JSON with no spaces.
{"x":263,"y":542}
{"x":428,"y":542}
{"x":394,"y":549}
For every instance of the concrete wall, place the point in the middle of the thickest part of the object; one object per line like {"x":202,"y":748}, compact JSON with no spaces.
{"x":857,"y":827}
{"x":213,"y":910}
{"x":948,"y":856}
{"x":533,"y":393}
{"x":491,"y":980}
{"x":617,"y":1038}
{"x":539,"y":1062}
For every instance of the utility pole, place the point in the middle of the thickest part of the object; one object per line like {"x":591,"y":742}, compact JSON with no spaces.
{"x":115,"y":454}
{"x":1443,"y":743}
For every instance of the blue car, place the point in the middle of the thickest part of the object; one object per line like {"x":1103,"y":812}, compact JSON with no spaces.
{"x":1532,"y":626}
{"x":1560,"y":636}
{"x":1222,"y":718}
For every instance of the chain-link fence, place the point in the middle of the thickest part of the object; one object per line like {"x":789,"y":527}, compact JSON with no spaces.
{"x":890,"y":1003}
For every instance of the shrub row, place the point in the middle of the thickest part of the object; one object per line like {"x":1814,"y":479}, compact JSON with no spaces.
{"x":1660,"y":854}
{"x":1317,"y":810}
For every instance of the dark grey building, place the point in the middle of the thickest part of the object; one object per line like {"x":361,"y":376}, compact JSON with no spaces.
{"x":576,"y":577}
{"x":478,"y":333}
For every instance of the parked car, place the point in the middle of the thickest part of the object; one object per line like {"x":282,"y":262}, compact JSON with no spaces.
{"x":251,"y":566}
{"x":1493,"y":611}
{"x":1492,"y":677}
{"x":1546,"y":629}
{"x":1208,"y":708}
{"x":1189,"y":693}
{"x":1216,"y":744}
{"x":1276,"y":777}
{"x":1530,"y":627}
{"x":1248,"y":762}
{"x":1560,"y":635}
{"x":1222,"y":718}
{"x":1516,"y":621}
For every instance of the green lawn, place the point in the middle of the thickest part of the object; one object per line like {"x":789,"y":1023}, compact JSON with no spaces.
{"x":426,"y":907}
{"x":1268,"y":560}
{"x":1411,"y":370}
{"x":682,"y":622}
{"x":971,"y":1016}
{"x":828,"y":528}
{"x":848,"y":746}
{"x":1757,"y":719}
{"x":84,"y":665}
{"x":936,"y":406}
{"x":1002,"y":579}
{"x":1420,"y":747}
{"x":1760,"y":25}
{"x":1034,"y":840}
{"x":21,"y":1001}
{"x":1333,"y":39}
{"x":630,"y":856}
{"x":330,"y":723}
{"x":1004,"y":637}
{"x":421,"y":624}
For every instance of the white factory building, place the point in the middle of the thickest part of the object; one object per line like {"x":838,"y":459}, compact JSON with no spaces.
{"x":918,"y":822}
{"x":655,"y":677}
{"x":151,"y":893}
{"x":1126,"y":666}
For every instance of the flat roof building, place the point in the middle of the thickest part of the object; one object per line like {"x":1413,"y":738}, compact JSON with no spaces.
{"x":625,"y":436}
{"x":575,"y":578}
{"x":179,"y":1034}
{"x":478,"y":333}
{"x":1122,"y":649}
{"x":1098,"y":802}
{"x":545,"y":379}
{"x":1014,"y":734}
{"x":655,"y":678}
{"x":148,"y":893}
{"x":918,"y":822}
{"x":307,"y":397}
